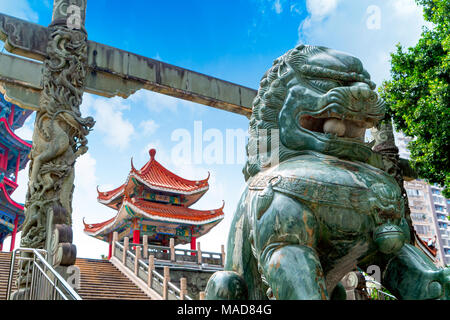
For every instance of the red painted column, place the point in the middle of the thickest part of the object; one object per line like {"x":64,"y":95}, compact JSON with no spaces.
{"x":13,"y":236}
{"x":136,"y":232}
{"x":1,"y":246}
{"x":17,"y":167}
{"x":4,"y":163}
{"x":193,"y":245}
{"x":11,"y":116}
{"x":110,"y":246}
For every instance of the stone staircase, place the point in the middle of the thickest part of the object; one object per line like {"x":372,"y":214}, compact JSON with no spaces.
{"x":5,"y":262}
{"x":99,"y":280}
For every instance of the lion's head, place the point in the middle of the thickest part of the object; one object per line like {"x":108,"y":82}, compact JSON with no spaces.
{"x":315,"y":98}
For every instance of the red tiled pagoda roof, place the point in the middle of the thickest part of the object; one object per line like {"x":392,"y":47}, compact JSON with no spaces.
{"x":94,"y":227}
{"x":5,"y":198}
{"x":431,"y":250}
{"x":109,"y":195}
{"x":156,"y":176}
{"x":172,"y":212}
{"x":156,"y":211}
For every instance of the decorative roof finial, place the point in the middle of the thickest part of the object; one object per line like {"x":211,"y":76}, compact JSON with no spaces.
{"x":152,"y":153}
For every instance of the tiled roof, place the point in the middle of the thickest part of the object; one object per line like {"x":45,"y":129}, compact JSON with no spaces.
{"x":9,"y":134}
{"x":109,"y":195}
{"x":156,"y":211}
{"x":95,"y":227}
{"x":172,"y":212}
{"x":6,"y":200}
{"x":431,"y":250}
{"x":155,"y":176}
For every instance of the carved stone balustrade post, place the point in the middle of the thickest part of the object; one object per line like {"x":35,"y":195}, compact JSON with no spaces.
{"x":199,"y":253}
{"x":183,"y":288}
{"x":137,"y":257}
{"x":222,"y":249}
{"x":172,"y":249}
{"x":145,"y":247}
{"x":350,"y":282}
{"x":166,"y":283}
{"x":126,"y":242}
{"x":114,"y":240}
{"x":151,"y":267}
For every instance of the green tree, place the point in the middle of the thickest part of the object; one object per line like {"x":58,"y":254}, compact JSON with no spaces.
{"x":418,"y":95}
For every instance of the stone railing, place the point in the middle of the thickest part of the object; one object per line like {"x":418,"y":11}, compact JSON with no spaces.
{"x":146,"y":272}
{"x":360,"y":286}
{"x":183,"y":256}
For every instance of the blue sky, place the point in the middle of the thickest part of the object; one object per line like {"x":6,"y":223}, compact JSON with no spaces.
{"x":232,"y":40}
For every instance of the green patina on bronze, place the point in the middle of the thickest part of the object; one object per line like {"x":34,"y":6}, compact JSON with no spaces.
{"x":319,"y":201}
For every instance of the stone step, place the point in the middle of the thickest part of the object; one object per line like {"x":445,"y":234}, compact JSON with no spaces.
{"x":99,"y":280}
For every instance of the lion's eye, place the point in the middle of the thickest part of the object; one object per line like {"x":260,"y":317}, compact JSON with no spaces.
{"x":324,"y":85}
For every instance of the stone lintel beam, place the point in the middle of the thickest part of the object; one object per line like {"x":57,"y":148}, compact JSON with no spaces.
{"x":23,"y":38}
{"x":21,"y":81}
{"x":117,"y":72}
{"x":131,"y":72}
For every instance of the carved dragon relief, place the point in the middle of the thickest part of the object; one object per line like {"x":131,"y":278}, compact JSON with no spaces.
{"x":59,"y":138}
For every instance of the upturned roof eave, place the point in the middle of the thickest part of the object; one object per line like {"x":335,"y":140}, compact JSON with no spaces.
{"x":109,"y":225}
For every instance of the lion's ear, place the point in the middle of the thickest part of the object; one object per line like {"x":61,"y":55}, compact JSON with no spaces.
{"x":283,"y":69}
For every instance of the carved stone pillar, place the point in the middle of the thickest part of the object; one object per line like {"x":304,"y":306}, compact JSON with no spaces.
{"x":385,"y":145}
{"x":59,"y":137}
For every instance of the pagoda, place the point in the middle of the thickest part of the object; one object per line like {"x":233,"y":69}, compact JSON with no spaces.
{"x":155,"y":202}
{"x":13,"y":157}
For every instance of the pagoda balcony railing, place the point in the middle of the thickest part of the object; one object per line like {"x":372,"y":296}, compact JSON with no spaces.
{"x":183,"y":258}
{"x":131,"y":259}
{"x":38,"y":279}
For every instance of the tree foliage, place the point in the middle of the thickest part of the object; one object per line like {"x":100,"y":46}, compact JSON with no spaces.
{"x":418,"y":95}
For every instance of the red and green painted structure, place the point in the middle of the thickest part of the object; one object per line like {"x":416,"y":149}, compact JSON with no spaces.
{"x":14,"y":153}
{"x":155,"y":202}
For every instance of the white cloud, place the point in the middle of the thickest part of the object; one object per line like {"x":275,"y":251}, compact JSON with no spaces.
{"x":26,"y":131}
{"x":19,"y":9}
{"x":110,"y":121}
{"x":20,"y":193}
{"x":153,"y":101}
{"x":294,"y":8}
{"x":148,"y":127}
{"x":162,"y":156}
{"x":320,"y":8}
{"x":278,"y":7}
{"x":405,"y":8}
{"x":342,"y":25}
{"x":85,"y":205}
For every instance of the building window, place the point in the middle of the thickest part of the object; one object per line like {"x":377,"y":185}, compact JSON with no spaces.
{"x":435,"y":191}
{"x":437,"y":199}
{"x":438,"y":207}
{"x":418,"y":216}
{"x":413,"y":192}
{"x":421,"y":229}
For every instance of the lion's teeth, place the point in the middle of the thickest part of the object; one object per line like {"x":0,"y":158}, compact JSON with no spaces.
{"x":354,"y":130}
{"x":334,"y":126}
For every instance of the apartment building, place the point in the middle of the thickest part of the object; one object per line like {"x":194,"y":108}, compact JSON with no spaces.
{"x":429,"y":214}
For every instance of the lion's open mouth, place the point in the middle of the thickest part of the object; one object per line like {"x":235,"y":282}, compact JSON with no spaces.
{"x":335,"y":124}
